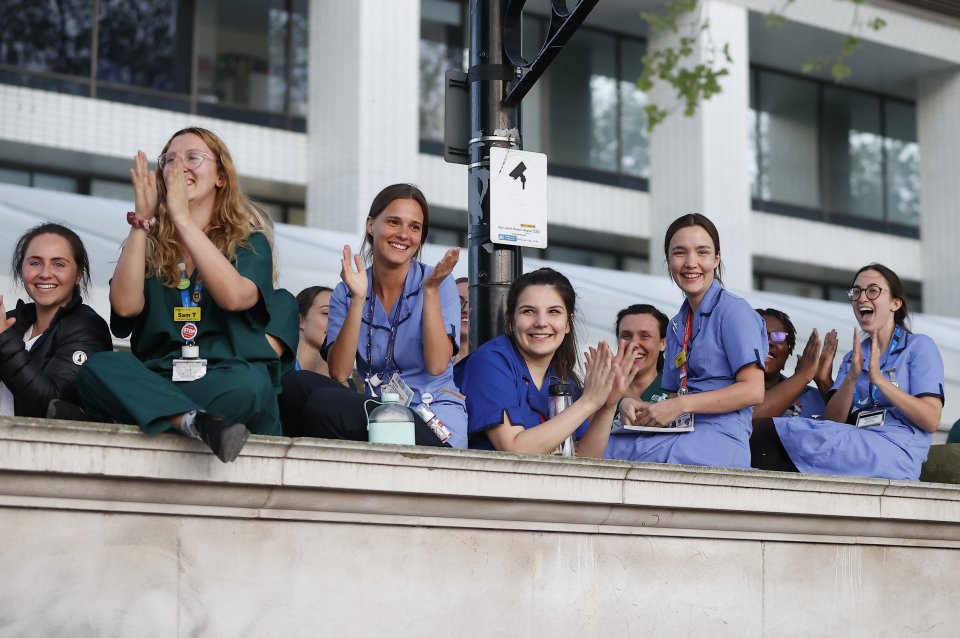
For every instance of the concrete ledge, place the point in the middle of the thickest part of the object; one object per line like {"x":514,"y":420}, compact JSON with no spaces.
{"x":460,"y":520}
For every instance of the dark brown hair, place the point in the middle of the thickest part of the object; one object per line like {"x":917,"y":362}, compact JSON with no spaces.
{"x":644,"y":309}
{"x":694,"y":219}
{"x":902,"y":316}
{"x":306,"y":297}
{"x":564,"y":360}
{"x":50,"y":228}
{"x":380,"y":203}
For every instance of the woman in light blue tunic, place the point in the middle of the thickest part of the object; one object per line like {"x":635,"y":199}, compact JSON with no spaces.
{"x":886,"y":401}
{"x":713,"y":368}
{"x":391,"y":316}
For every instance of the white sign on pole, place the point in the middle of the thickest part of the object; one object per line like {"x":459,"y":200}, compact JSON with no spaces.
{"x":518,"y":198}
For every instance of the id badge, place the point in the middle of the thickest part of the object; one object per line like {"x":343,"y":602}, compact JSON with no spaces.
{"x":397,"y":385}
{"x":872,"y":418}
{"x":683,"y":421}
{"x":189,"y":369}
{"x":186,"y":313}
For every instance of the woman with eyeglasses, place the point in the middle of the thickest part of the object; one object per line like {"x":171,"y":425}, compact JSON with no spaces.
{"x":393,"y":317}
{"x":793,"y":396}
{"x":194,"y":288}
{"x":713,"y":368}
{"x":886,"y":401}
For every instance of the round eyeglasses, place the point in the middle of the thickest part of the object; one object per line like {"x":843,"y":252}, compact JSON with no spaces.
{"x":872,"y":291}
{"x":191,"y":159}
{"x":777,"y":336}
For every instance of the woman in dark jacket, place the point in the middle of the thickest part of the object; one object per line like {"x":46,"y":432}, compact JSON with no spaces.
{"x":44,"y":343}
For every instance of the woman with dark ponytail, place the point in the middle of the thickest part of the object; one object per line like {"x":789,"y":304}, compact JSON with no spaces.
{"x":885,"y":404}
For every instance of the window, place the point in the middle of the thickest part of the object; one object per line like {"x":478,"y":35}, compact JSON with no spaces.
{"x":825,"y":290}
{"x":249,"y":64}
{"x":586,"y":112}
{"x":834,"y":154}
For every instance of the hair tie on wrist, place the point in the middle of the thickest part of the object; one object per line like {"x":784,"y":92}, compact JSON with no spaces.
{"x":136,"y":222}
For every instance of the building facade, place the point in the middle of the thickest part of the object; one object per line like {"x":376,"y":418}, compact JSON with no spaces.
{"x":323,"y":102}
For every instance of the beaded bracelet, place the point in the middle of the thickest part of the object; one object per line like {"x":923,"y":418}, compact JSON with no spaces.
{"x":136,"y":222}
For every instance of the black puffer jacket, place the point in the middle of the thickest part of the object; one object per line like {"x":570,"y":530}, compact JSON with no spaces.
{"x":49,"y":369}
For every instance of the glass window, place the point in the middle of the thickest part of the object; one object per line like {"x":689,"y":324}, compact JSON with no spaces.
{"x":138,"y":44}
{"x":634,"y":152}
{"x":253,"y":54}
{"x":13,"y":176}
{"x":442,"y":47}
{"x":786,"y":139}
{"x":52,"y":182}
{"x":791,"y":287}
{"x":111,"y":189}
{"x":47,"y":35}
{"x":582,"y":89}
{"x":902,"y":155}
{"x":854,"y":153}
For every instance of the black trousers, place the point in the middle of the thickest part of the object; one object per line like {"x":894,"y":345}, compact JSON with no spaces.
{"x":766,"y":448}
{"x":314,"y":405}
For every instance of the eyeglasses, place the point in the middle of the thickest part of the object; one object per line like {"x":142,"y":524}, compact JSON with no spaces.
{"x":463,"y":303}
{"x":191,"y":159}
{"x":872,"y":291}
{"x":777,"y":336}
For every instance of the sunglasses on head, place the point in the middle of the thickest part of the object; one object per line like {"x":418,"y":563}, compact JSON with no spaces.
{"x":777,"y":336}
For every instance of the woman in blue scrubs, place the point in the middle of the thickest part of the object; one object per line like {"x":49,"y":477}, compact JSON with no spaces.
{"x":507,"y":379}
{"x":390,"y":316}
{"x":794,"y":396}
{"x":713,"y":370}
{"x":886,"y":401}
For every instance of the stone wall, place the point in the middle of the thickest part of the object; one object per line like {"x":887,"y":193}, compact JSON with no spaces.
{"x":107,"y":532}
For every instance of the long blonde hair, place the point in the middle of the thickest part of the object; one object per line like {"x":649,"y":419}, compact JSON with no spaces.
{"x":234,"y":216}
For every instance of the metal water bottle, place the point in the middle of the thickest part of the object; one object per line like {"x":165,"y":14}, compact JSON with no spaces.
{"x":561,"y":397}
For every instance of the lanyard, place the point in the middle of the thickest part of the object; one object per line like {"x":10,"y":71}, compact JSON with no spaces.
{"x":873,"y":391}
{"x":189,"y":299}
{"x":687,"y":337}
{"x":388,"y":361}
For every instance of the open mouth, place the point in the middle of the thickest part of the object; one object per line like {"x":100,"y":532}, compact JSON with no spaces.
{"x":865,"y":312}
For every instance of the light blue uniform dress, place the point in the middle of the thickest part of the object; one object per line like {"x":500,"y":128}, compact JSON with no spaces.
{"x":448,"y":403}
{"x":895,"y":450}
{"x":497,"y":380}
{"x":727,"y":335}
{"x":809,"y":403}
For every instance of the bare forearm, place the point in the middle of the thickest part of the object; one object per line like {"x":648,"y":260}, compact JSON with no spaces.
{"x":777,"y":399}
{"x":738,"y":395}
{"x":126,"y":288}
{"x":543,"y":438}
{"x":343,"y":351}
{"x":437,"y":347}
{"x":838,"y":407}
{"x":594,"y":442}
{"x":924,"y":412}
{"x":231,"y":290}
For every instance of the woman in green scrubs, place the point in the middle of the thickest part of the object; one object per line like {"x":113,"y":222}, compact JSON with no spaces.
{"x":193,"y":289}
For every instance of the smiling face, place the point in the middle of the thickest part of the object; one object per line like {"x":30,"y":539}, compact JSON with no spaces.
{"x":692,"y":258}
{"x":779,"y":352}
{"x":313,"y":325}
{"x":397,"y":232}
{"x":644,"y":331}
{"x":540,"y":323}
{"x":49,"y":271}
{"x":202,"y":181}
{"x":874,"y":315}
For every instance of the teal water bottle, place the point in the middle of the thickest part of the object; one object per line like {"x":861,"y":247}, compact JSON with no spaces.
{"x":390,"y":421}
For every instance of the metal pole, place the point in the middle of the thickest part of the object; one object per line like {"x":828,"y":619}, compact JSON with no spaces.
{"x":492,"y":267}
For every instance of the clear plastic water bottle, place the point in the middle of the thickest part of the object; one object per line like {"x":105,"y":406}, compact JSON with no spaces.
{"x":561,"y":397}
{"x":390,"y":421}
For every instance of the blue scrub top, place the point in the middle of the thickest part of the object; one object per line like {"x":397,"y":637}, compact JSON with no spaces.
{"x":728,"y":334}
{"x":895,"y":450}
{"x":447,"y":402}
{"x":496,"y":380}
{"x":810,"y":403}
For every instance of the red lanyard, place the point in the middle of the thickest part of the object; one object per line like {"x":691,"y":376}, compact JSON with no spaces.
{"x":687,"y":335}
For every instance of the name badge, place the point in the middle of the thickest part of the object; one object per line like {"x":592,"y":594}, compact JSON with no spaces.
{"x":680,"y":359}
{"x":684,"y":422}
{"x":189,"y":369}
{"x":184,"y":313}
{"x":872,"y":418}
